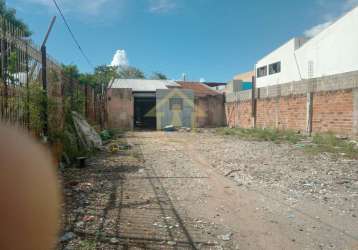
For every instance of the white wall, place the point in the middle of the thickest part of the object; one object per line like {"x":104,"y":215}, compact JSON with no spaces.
{"x":333,"y":51}
{"x":289,"y":70}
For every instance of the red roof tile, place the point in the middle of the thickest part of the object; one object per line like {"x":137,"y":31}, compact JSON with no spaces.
{"x":199,"y":88}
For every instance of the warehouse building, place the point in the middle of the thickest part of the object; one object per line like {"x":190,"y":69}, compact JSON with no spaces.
{"x":155,"y":104}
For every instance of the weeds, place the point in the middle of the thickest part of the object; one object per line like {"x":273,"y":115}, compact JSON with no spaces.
{"x":87,"y":245}
{"x":329,"y":143}
{"x":320,"y":143}
{"x":109,"y":134}
{"x":273,"y":135}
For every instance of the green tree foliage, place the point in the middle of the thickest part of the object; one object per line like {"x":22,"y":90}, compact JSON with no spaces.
{"x":158,"y":76}
{"x":130,"y":73}
{"x":87,"y":79}
{"x":104,"y":74}
{"x":10,"y":15}
{"x":75,"y":97}
{"x":11,"y":66}
{"x":71,"y":72}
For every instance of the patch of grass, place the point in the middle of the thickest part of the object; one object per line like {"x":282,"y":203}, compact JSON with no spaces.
{"x":329,"y":143}
{"x":273,"y":135}
{"x":321,"y":143}
{"x":87,"y":245}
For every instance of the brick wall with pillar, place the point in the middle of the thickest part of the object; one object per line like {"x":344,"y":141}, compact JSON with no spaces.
{"x":327,"y":104}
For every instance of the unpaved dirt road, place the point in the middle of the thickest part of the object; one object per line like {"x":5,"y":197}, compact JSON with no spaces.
{"x":262,"y":195}
{"x":205,"y":191}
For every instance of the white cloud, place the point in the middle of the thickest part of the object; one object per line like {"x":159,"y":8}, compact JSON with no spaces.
{"x":330,"y":13}
{"x":317,"y":29}
{"x":120,"y":58}
{"x":161,"y":6}
{"x":202,"y":79}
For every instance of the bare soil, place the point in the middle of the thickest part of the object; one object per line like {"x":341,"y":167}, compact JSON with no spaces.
{"x":205,"y":191}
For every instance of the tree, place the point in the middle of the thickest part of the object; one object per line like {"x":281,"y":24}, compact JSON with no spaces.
{"x":158,"y":76}
{"x":71,"y":71}
{"x":130,"y":73}
{"x":10,"y":15}
{"x":87,"y":79}
{"x":104,"y":74}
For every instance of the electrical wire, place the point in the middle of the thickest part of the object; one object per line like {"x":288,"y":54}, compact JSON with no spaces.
{"x":72,"y":34}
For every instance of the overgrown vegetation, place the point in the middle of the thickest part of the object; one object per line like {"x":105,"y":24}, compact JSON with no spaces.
{"x":273,"y":135}
{"x":10,"y":15}
{"x":88,"y":244}
{"x":27,"y":103}
{"x":319,"y":143}
{"x":34,"y":103}
{"x":110,"y":134}
{"x":330,"y":143}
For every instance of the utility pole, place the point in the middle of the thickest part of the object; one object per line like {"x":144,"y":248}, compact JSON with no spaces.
{"x":44,"y":78}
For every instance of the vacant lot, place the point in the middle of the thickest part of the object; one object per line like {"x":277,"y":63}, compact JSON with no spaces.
{"x":207,"y":191}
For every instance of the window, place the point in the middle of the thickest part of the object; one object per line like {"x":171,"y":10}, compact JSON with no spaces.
{"x":275,"y":68}
{"x":262,"y":71}
{"x":176,"y":104}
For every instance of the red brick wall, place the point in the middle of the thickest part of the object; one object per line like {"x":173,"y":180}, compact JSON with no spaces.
{"x":282,"y":112}
{"x":245,"y":114}
{"x":267,"y":113}
{"x":293,"y":113}
{"x":239,"y":114}
{"x":333,"y":111}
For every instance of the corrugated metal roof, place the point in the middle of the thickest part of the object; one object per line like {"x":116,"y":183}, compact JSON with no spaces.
{"x":141,"y":85}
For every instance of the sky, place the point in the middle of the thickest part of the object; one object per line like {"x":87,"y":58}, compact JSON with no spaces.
{"x":208,"y":40}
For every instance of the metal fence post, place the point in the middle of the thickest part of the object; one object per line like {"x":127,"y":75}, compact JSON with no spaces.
{"x":27,"y":88}
{"x":44,"y":89}
{"x":44,"y":78}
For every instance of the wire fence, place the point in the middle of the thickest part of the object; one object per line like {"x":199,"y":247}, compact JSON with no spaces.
{"x":23,"y":99}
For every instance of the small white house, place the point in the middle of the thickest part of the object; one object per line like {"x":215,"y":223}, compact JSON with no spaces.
{"x":332,"y":51}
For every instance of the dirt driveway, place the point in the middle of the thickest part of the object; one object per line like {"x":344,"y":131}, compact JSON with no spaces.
{"x":204,"y":191}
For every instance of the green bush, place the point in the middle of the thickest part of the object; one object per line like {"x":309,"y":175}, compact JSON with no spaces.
{"x":106,"y":135}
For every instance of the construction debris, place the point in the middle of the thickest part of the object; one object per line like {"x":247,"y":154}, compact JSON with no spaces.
{"x":88,"y":136}
{"x":169,"y":128}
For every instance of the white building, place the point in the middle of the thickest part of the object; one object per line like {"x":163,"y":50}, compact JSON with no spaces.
{"x":332,"y":51}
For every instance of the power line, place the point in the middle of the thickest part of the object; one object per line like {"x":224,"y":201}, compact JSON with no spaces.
{"x":72,"y":34}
